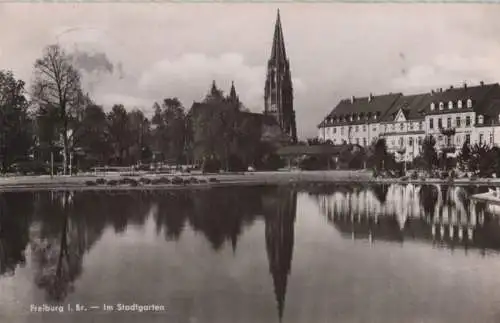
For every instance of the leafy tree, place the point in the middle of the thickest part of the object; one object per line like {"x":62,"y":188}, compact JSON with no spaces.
{"x":377,"y":156}
{"x":93,"y":136}
{"x":464,"y":157}
{"x":170,"y":133}
{"x":429,"y":153}
{"x":140,"y":129}
{"x":119,"y":133}
{"x":482,"y":160}
{"x":15,"y":124}
{"x":57,"y":86}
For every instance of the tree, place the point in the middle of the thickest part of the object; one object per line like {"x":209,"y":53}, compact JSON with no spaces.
{"x":429,"y":154}
{"x":170,"y":133}
{"x":93,"y":136}
{"x":378,"y":157}
{"x":464,"y":157}
{"x":140,"y":129}
{"x":119,"y":133}
{"x":482,"y":160}
{"x":57,"y":86}
{"x":15,"y":124}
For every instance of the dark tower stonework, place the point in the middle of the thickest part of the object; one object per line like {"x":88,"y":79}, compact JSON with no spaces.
{"x":278,"y":92}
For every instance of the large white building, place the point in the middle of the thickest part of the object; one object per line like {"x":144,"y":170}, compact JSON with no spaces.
{"x":472,"y":113}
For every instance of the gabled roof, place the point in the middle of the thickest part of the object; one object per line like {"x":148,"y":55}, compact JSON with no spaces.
{"x":363,"y":107}
{"x":412,"y":105}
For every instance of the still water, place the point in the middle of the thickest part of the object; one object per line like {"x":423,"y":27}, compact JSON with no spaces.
{"x":397,"y":253}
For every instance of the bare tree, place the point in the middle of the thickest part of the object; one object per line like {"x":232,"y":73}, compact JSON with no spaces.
{"x":57,"y":85}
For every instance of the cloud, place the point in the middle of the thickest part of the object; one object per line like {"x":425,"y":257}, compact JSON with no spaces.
{"x":189,"y":77}
{"x":448,"y":69}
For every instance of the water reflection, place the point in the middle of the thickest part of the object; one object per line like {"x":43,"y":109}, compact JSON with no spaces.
{"x":442,"y":215}
{"x":51,"y":234}
{"x":60,"y":228}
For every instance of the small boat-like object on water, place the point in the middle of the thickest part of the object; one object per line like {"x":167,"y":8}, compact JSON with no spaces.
{"x":490,"y":197}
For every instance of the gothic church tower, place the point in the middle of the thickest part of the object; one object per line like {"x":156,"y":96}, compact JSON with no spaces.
{"x":278,"y":92}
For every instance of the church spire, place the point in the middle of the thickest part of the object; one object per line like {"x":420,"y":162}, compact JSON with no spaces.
{"x":278,"y":50}
{"x":232,"y":94}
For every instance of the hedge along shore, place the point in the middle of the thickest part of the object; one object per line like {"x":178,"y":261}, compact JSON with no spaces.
{"x":78,"y":182}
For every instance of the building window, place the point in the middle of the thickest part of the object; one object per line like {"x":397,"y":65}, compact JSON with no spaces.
{"x":459,"y":104}
{"x":357,"y":128}
{"x":441,"y":106}
{"x":357,"y":141}
{"x":440,"y":123}
{"x":467,"y":138}
{"x":433,"y":106}
{"x":401,"y":126}
{"x":467,"y":121}
{"x":410,"y":142}
{"x":342,"y":131}
{"x":458,"y":140}
{"x":364,"y":127}
{"x":393,"y":127}
{"x":469,"y":103}
{"x":393,"y":142}
{"x":450,"y":105}
{"x":481,"y":138}
{"x":491,"y":138}
{"x":335,"y":130}
{"x":457,"y":120}
{"x":374,"y":129}
{"x":411,"y":125}
{"x":480,"y":119}
{"x":431,"y":123}
{"x":364,"y":141}
{"x":421,"y":125}
{"x":401,"y":141}
{"x":448,"y":123}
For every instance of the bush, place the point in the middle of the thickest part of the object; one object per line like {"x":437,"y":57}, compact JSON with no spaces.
{"x":100,"y":181}
{"x":414,"y":175}
{"x":236,"y":164}
{"x":272,"y":162}
{"x":213,"y":180}
{"x":112,"y":182}
{"x":177,"y":180}
{"x":90,"y":183}
{"x":211,"y":165}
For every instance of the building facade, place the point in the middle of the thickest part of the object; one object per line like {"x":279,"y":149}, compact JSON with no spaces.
{"x":452,"y":116}
{"x":278,"y":91}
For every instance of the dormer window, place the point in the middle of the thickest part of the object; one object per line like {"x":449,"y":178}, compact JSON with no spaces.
{"x":450,"y":105}
{"x":480,"y":119}
{"x":433,"y":106}
{"x":441,"y":106}
{"x":469,"y":103}
{"x":459,"y":104}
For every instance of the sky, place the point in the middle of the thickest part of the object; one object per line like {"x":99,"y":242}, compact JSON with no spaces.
{"x":140,"y":53}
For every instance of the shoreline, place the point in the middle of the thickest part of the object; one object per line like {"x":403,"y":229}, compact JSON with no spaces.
{"x":78,"y":182}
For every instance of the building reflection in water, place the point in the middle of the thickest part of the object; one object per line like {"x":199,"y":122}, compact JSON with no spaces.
{"x":443,"y":215}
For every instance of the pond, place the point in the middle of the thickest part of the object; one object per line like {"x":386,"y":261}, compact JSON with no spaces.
{"x":324,"y":253}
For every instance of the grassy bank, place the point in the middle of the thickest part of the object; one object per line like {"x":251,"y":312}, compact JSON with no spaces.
{"x":153,"y":182}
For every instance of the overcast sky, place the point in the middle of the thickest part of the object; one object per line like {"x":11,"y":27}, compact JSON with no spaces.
{"x":136,"y":54}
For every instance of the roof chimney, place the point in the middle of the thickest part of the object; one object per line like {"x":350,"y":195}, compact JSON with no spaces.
{"x":352,"y":99}
{"x":441,"y":90}
{"x":465,"y":85}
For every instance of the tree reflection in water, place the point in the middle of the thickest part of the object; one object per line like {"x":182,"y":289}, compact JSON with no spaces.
{"x":15,"y":215}
{"x":62,"y":226}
